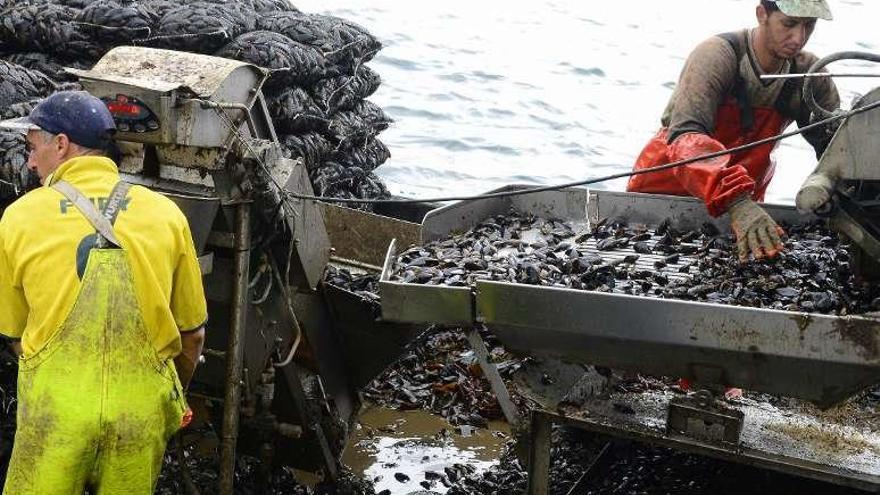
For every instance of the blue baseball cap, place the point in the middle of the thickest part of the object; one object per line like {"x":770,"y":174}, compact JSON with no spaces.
{"x":83,"y":118}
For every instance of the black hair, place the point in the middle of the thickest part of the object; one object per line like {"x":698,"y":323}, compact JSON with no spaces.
{"x":770,"y":6}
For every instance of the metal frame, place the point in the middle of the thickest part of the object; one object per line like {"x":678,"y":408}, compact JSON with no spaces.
{"x":494,"y":377}
{"x":540,"y":445}
{"x":766,"y":436}
{"x":825,"y":359}
{"x":405,"y":303}
{"x":235,"y":349}
{"x":822,"y":358}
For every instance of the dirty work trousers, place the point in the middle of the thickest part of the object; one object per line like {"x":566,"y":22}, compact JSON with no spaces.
{"x":96,"y":405}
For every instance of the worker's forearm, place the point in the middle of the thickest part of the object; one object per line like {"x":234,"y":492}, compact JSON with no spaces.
{"x":186,"y":362}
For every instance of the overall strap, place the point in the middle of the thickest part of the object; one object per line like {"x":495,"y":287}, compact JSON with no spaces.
{"x":102,"y":222}
{"x":740,"y":90}
{"x":783,"y":101}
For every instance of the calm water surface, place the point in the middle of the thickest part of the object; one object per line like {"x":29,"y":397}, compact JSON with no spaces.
{"x":491,"y":92}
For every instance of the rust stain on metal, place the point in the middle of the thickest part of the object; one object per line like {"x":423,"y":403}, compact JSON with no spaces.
{"x":864,"y":334}
{"x":831,"y":439}
{"x":803,"y":321}
{"x":203,"y":74}
{"x":733,"y":331}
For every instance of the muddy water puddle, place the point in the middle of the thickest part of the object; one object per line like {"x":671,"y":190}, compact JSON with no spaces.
{"x":396,"y":449}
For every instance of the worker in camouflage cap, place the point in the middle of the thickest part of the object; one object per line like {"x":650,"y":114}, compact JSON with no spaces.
{"x":722,"y":102}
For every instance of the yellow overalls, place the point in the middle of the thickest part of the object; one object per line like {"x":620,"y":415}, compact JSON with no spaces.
{"x":96,"y":404}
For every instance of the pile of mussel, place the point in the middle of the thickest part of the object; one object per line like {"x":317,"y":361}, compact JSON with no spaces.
{"x":365,"y":285}
{"x":252,"y":475}
{"x":316,"y":92}
{"x":812,"y":274}
{"x":440,"y":373}
{"x":571,"y":455}
{"x":630,"y":468}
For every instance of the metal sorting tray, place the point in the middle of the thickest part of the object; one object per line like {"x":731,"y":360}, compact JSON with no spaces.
{"x":840,"y":446}
{"x":824,"y":359}
{"x":417,"y":303}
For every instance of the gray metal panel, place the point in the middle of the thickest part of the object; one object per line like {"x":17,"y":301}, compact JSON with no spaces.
{"x":323,"y":342}
{"x":163,"y":70}
{"x":364,"y":237}
{"x":197,"y":128}
{"x":858,"y":146}
{"x":684,"y":213}
{"x":820,"y":358}
{"x":567,"y":204}
{"x":199,"y":212}
{"x":312,"y":244}
{"x":461,"y":216}
{"x":414,"y":303}
{"x":368,"y":344}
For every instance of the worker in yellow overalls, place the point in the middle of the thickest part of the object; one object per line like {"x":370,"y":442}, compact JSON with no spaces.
{"x":100,"y":282}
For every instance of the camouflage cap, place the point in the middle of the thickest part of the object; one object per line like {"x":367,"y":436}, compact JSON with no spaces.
{"x":805,"y":8}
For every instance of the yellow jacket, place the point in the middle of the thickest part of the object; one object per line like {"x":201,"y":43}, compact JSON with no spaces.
{"x":44,"y":243}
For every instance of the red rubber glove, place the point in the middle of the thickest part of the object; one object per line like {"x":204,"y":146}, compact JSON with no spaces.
{"x":712,"y":180}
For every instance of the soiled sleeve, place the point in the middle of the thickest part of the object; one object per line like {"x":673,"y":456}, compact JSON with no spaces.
{"x":13,"y":305}
{"x":705,"y":81}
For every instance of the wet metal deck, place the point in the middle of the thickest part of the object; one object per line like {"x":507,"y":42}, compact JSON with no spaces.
{"x":841,"y":446}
